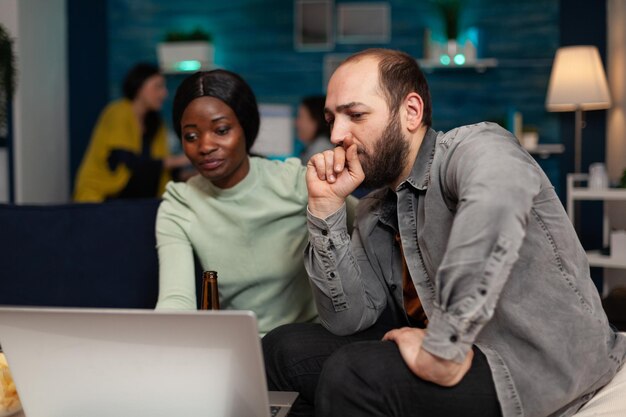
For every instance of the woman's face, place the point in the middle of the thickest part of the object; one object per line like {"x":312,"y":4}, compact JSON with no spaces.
{"x":306,"y":126}
{"x":214,"y":141}
{"x":153,"y":92}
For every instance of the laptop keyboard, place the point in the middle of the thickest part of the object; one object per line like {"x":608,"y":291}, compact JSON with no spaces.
{"x":274,"y":410}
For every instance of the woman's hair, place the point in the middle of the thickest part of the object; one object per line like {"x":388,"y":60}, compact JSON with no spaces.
{"x":225,"y":86}
{"x":315,"y":106}
{"x":136,"y":77}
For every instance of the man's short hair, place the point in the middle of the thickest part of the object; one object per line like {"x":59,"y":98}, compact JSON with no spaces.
{"x":399,"y":75}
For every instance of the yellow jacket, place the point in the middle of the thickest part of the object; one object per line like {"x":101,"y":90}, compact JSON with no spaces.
{"x":117,"y":128}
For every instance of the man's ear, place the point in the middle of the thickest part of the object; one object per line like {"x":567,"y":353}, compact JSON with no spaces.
{"x":414,"y":107}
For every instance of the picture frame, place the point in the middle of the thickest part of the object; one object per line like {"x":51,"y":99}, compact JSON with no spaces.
{"x":275,"y":138}
{"x":313,"y":25}
{"x":364,"y":23}
{"x":331,"y":63}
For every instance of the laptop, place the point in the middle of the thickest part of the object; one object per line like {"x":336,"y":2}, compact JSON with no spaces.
{"x":70,"y":362}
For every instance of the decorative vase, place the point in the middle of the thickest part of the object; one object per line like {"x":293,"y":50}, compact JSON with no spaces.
{"x":452,"y":47}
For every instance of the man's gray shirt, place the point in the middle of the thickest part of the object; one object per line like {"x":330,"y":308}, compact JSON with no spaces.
{"x":496,"y":264}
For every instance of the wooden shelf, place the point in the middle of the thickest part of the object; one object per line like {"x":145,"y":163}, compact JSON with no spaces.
{"x":575,"y":193}
{"x":613,"y":194}
{"x":597,"y":259}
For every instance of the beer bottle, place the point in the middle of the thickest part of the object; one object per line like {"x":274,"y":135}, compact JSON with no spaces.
{"x":210,"y":296}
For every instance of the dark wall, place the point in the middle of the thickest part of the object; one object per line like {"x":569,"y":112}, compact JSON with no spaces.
{"x":255,"y":39}
{"x":584,"y":25}
{"x":88,"y":56}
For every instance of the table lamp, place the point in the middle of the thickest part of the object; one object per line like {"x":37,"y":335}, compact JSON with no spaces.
{"x":577,"y":83}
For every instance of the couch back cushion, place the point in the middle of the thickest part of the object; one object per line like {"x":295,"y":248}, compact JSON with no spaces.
{"x":79,"y":255}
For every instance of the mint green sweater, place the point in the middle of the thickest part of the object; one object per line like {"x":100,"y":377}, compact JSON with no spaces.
{"x":252,"y":234}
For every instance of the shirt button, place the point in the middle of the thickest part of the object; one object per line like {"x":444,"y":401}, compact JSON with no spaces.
{"x":325,"y":232}
{"x":393,"y":287}
{"x":483,"y":291}
{"x":454,"y":338}
{"x":332,"y":275}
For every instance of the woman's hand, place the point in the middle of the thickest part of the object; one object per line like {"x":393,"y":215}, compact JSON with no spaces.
{"x":425,"y":365}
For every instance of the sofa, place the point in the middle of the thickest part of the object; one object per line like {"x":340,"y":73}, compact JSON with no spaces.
{"x":79,"y":255}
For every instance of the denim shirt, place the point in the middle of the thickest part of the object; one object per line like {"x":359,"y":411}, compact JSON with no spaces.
{"x":496,"y":264}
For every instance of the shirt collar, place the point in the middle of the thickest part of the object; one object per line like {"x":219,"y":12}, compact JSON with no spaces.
{"x":419,"y":178}
{"x":387,"y":213}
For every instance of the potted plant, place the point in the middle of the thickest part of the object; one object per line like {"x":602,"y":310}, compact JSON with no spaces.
{"x":186,"y":51}
{"x":7,"y":79}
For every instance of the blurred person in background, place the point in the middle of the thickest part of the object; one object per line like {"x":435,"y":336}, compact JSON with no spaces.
{"x":311,"y":127}
{"x":128,"y":156}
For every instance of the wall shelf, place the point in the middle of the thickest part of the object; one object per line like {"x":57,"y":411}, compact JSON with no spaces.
{"x":546,"y":150}
{"x":603,"y":261}
{"x":166,"y":71}
{"x":613,"y":194}
{"x":479,"y":65}
{"x":575,"y":193}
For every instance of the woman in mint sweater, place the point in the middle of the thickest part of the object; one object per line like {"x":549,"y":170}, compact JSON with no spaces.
{"x":243,"y":216}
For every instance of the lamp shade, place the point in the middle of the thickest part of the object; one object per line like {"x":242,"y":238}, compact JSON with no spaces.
{"x":577,"y":80}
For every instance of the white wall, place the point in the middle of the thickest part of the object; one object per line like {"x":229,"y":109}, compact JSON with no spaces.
{"x":40,"y":135}
{"x":616,"y":120}
{"x":8,"y":19}
{"x":4,"y":176}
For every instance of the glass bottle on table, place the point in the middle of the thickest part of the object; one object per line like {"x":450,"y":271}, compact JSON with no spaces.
{"x":210,"y":295}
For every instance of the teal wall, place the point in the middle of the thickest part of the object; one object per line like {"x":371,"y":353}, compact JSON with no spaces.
{"x":87,"y":47}
{"x":255,"y":39}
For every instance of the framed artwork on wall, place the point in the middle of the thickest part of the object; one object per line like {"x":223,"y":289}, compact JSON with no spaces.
{"x":313,"y":25}
{"x":331,"y":63}
{"x":364,"y":23}
{"x":275,"y":134}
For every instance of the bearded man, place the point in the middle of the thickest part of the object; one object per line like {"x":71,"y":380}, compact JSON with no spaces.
{"x":463,"y":290}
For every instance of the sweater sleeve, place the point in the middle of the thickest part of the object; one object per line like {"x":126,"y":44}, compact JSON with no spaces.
{"x":177,"y":287}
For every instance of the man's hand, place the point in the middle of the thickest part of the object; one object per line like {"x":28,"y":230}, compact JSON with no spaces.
{"x":425,"y":365}
{"x":331,"y":177}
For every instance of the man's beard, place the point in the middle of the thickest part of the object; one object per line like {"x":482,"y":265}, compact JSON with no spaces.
{"x":386,"y":162}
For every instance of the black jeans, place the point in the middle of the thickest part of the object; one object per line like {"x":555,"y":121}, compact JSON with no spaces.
{"x":359,"y":375}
